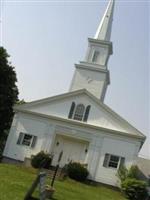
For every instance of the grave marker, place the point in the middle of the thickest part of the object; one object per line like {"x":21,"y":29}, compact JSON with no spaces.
{"x":40,"y":180}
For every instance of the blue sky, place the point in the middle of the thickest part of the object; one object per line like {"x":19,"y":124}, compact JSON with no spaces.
{"x":46,"y":38}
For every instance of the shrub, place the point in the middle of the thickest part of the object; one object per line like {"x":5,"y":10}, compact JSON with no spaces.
{"x":134,"y":189}
{"x":122,"y":173}
{"x":132,"y":172}
{"x":77,"y":171}
{"x":41,"y":159}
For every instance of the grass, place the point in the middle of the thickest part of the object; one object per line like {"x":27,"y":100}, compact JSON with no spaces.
{"x":15,"y":181}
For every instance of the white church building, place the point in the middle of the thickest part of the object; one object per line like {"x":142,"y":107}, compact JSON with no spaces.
{"x":78,"y":122}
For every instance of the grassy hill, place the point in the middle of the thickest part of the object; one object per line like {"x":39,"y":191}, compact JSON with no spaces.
{"x":15,"y":181}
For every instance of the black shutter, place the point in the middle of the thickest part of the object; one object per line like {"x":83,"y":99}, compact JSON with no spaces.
{"x":20,"y":138}
{"x":34,"y":141}
{"x":86,"y":113}
{"x":105,"y":163}
{"x":71,"y":110}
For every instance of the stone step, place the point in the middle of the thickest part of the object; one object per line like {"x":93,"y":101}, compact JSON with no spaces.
{"x":50,"y":173}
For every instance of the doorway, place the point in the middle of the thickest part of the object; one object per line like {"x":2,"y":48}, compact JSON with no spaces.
{"x":74,"y":150}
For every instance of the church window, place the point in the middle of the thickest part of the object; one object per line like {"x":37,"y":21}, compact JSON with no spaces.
{"x":79,"y":112}
{"x":27,"y":140}
{"x":95,"y":56}
{"x":71,"y":110}
{"x":113,"y":161}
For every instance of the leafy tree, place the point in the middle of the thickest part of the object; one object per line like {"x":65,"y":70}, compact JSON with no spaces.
{"x":8,"y":95}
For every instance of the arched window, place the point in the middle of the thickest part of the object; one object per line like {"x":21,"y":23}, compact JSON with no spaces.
{"x":79,"y":112}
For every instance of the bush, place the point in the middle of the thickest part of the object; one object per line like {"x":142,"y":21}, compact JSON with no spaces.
{"x":132,"y":172}
{"x":41,"y":159}
{"x":122,"y":173}
{"x":134,"y":189}
{"x":77,"y":171}
{"x":131,"y":185}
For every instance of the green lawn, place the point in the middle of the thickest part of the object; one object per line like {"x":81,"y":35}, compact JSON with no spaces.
{"x":15,"y":181}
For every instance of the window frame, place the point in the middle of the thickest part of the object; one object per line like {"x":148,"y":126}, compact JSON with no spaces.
{"x":26,"y":140}
{"x":114,"y":162}
{"x":21,"y":140}
{"x":77,"y":115}
{"x":107,"y":164}
{"x":72,"y":112}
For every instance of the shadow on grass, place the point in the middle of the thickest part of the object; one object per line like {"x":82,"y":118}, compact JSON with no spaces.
{"x":33,"y":198}
{"x":94,"y":184}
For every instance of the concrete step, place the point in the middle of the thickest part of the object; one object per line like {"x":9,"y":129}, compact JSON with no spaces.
{"x":50,"y":173}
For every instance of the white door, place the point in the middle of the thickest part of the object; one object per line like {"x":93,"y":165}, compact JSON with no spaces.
{"x":73,"y":150}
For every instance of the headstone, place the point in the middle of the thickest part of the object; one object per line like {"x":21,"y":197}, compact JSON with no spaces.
{"x":42,"y":183}
{"x":40,"y":180}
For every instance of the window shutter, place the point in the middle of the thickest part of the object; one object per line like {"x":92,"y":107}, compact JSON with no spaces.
{"x":34,"y":141}
{"x":106,"y":159}
{"x":122,"y":162}
{"x":20,"y":138}
{"x":86,"y":113}
{"x":71,"y":110}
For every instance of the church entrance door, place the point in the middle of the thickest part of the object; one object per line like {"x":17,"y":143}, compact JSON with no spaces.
{"x":73,"y":150}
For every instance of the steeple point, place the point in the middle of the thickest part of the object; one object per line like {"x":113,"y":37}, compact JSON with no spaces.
{"x":92,"y":74}
{"x":104,"y":29}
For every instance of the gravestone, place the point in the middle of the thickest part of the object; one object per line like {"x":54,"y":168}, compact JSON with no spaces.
{"x":42,"y":182}
{"x":39,"y":181}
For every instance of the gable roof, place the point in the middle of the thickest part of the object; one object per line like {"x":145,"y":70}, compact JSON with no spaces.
{"x":25,"y":106}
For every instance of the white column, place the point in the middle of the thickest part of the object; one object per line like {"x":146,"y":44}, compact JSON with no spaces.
{"x":94,"y":155}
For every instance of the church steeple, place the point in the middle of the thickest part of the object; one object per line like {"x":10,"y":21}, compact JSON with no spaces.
{"x":104,"y":30}
{"x":92,"y":73}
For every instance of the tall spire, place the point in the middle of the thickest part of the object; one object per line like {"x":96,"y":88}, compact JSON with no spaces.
{"x":92,"y":74}
{"x":104,"y":29}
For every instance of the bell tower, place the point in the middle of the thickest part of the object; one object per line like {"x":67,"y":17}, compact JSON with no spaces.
{"x":92,"y":73}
